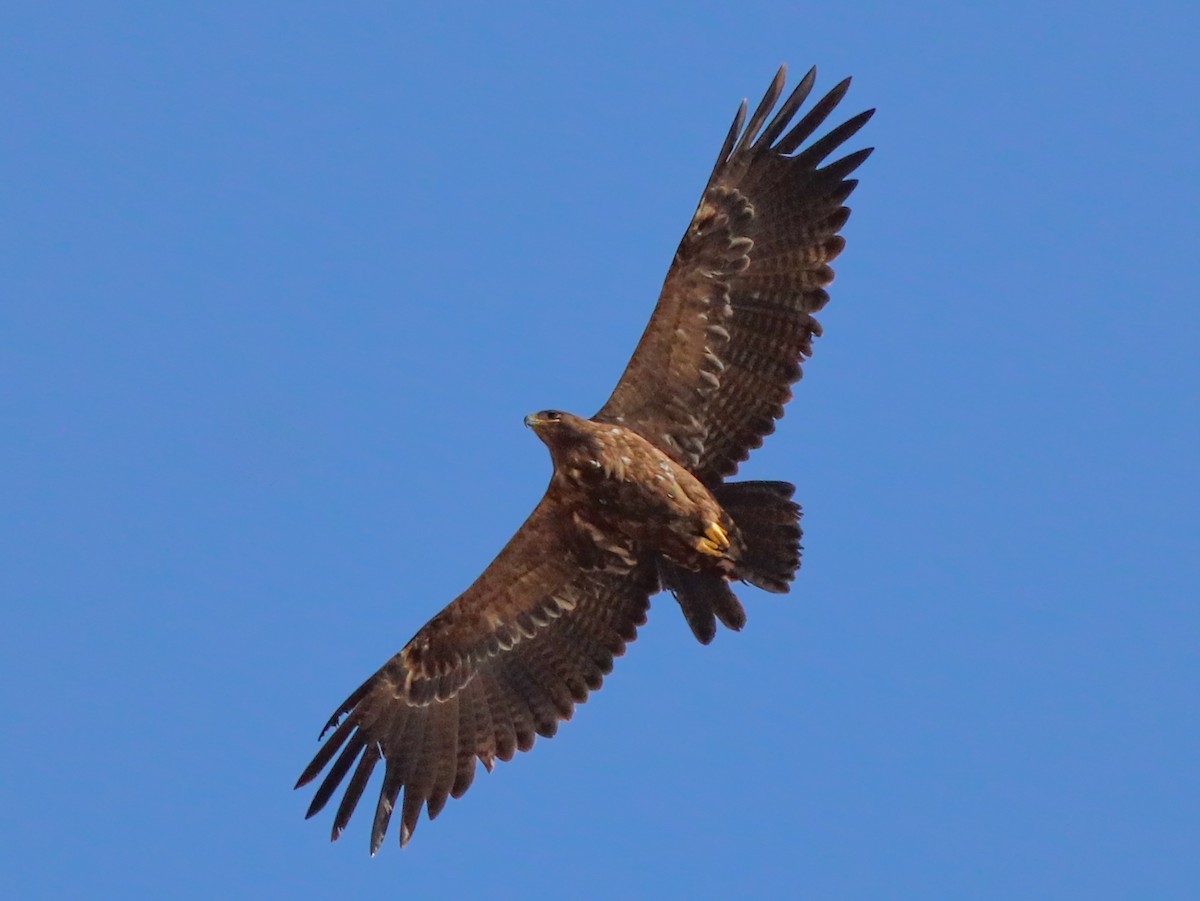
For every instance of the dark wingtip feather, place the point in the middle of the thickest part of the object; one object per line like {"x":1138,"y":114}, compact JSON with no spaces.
{"x":770,"y":98}
{"x":410,"y":813}
{"x":358,"y":782}
{"x":347,"y":705}
{"x":325,"y":753}
{"x":335,"y":775}
{"x":435,"y":805}
{"x":812,"y":120}
{"x":393,"y":781}
{"x":842,"y":167}
{"x":781,"y":119}
{"x":730,"y":137}
{"x":813,"y":155}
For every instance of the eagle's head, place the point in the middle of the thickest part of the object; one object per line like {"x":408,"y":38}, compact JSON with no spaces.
{"x":560,"y":431}
{"x":546,"y":419}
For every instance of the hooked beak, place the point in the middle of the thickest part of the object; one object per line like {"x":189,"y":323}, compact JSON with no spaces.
{"x":531,"y":421}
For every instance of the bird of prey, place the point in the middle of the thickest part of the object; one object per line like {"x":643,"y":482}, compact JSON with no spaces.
{"x":638,"y":501}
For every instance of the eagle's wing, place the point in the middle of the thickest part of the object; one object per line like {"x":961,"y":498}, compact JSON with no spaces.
{"x":509,"y":658}
{"x":734,"y":321}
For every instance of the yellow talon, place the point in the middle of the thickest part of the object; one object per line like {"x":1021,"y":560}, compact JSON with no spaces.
{"x":715,"y":542}
{"x":716,"y":535}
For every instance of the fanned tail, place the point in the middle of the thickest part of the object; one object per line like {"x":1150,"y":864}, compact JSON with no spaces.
{"x":768,"y":521}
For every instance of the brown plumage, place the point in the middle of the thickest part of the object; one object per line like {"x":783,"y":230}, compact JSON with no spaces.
{"x":637,"y":502}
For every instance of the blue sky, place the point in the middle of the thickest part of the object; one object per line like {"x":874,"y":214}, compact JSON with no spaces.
{"x":280,"y":281}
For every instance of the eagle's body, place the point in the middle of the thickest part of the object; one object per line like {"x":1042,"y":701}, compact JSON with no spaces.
{"x":638,"y":501}
{"x":623,"y":493}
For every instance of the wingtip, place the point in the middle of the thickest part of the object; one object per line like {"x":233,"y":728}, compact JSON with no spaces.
{"x":837,"y":92}
{"x":332,"y":723}
{"x":780,"y":78}
{"x":310,"y":773}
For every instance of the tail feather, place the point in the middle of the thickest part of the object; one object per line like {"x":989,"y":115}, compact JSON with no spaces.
{"x":768,"y":522}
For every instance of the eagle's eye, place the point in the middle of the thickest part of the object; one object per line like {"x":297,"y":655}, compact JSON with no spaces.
{"x":551,"y":415}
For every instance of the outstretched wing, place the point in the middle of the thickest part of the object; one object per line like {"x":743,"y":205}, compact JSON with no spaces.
{"x":734,"y":321}
{"x":508,"y":659}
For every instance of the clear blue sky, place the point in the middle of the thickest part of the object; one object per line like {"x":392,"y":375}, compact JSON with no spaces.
{"x":279,"y":282}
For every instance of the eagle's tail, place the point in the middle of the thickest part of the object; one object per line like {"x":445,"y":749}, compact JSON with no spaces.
{"x":768,"y":521}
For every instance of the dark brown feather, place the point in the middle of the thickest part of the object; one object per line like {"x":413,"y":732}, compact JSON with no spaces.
{"x":358,"y":782}
{"x":769,"y":521}
{"x":447,"y":756}
{"x":714,"y":368}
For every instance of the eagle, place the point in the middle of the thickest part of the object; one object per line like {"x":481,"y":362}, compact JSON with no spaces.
{"x":638,"y":501}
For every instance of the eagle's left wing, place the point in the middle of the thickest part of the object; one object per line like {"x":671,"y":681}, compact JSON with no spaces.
{"x":507,"y":659}
{"x":734,"y":320}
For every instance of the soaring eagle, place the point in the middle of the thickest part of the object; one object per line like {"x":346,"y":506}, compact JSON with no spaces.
{"x":638,"y":501}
